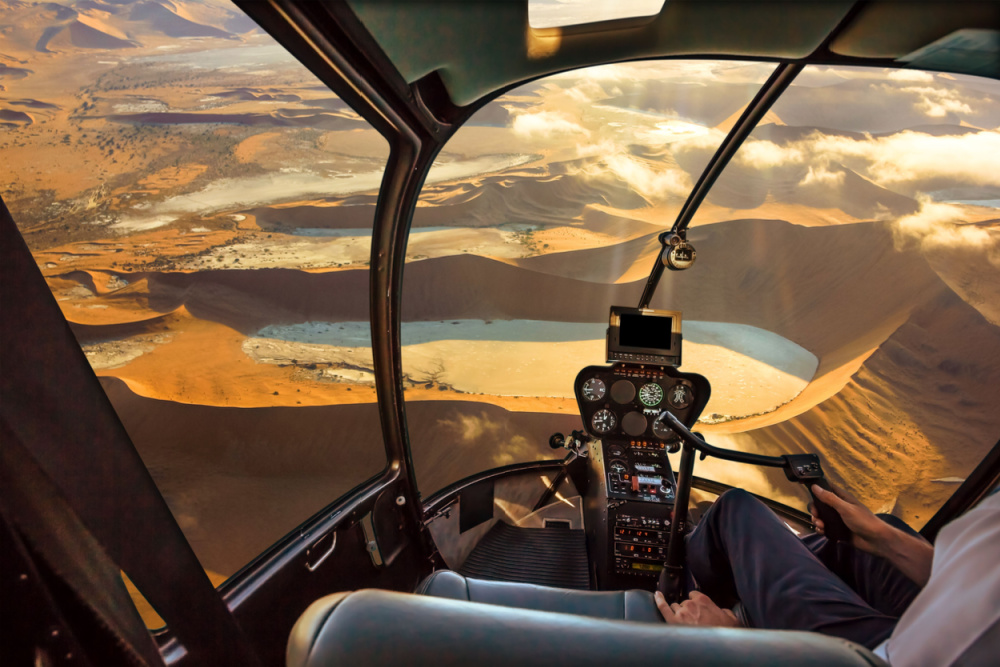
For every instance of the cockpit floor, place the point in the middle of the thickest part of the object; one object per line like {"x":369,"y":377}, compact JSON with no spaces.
{"x":551,"y":556}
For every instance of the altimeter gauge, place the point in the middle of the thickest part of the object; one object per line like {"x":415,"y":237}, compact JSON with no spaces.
{"x":594,"y":389}
{"x":651,"y":394}
{"x":603,"y":421}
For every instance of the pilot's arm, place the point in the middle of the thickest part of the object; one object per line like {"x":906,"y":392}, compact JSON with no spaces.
{"x":910,"y":554}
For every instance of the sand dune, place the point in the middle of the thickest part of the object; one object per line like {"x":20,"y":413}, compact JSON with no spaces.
{"x":808,"y":310}
{"x":15,"y":118}
{"x":745,"y":187}
{"x":920,"y":408}
{"x":160,"y":17}
{"x":33,"y":104}
{"x":13,"y":73}
{"x":325,"y":121}
{"x":268,"y":469}
{"x":92,"y":24}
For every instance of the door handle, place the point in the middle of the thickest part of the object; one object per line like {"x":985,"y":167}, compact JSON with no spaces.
{"x":314,"y":554}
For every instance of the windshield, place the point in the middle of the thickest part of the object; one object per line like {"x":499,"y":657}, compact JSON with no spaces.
{"x":201,"y":207}
{"x":510,"y":272}
{"x":843,"y":299}
{"x":861,"y":222}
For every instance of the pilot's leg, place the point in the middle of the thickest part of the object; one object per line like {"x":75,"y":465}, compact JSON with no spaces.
{"x":875,"y":579}
{"x":742,"y":550}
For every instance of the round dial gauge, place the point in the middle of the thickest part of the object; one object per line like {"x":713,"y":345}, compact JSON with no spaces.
{"x":594,"y":389}
{"x":616,"y":451}
{"x":618,"y":467}
{"x":662,"y":431}
{"x":651,"y":394}
{"x":680,"y":396}
{"x":623,"y":391}
{"x":634,"y":423}
{"x":603,"y":421}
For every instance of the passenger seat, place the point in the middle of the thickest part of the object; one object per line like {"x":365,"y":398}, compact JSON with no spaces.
{"x":632,"y":605}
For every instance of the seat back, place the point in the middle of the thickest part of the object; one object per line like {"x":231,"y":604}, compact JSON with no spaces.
{"x":377,"y":628}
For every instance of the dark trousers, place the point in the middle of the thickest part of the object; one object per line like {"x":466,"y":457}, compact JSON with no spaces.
{"x":741,"y":551}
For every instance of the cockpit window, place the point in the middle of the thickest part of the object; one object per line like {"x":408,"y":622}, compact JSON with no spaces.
{"x":201,"y":207}
{"x":850,"y":255}
{"x":541,"y":212}
{"x":843,"y":300}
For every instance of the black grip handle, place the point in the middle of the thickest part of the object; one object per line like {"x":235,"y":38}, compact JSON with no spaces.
{"x":833,"y":525}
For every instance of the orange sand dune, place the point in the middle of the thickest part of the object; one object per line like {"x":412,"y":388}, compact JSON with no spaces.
{"x":921,"y":408}
{"x":268,"y":469}
{"x":807,"y":307}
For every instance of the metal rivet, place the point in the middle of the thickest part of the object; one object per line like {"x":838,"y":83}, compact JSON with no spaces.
{"x":400,"y":500}
{"x":23,"y":577}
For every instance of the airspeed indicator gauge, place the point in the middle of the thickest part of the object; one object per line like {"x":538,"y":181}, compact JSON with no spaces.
{"x":651,"y":394}
{"x":603,"y":421}
{"x":594,"y":389}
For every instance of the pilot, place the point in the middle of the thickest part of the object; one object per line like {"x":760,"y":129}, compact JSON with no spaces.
{"x":888,"y":589}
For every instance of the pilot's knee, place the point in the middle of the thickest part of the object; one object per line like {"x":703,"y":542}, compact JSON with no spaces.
{"x":736,"y":499}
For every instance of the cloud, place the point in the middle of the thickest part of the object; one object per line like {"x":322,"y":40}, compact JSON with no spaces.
{"x":546,"y":124}
{"x":911,"y":162}
{"x":820,"y":175}
{"x":587,"y":92}
{"x":658,"y":182}
{"x":935,"y":102}
{"x":763,"y":154}
{"x":938,"y":225}
{"x":908,"y":157}
{"x":910,"y":75}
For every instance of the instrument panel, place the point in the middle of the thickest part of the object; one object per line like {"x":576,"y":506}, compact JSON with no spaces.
{"x":629,"y":519}
{"x":624,"y":400}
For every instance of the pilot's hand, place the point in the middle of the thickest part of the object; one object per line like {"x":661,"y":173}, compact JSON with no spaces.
{"x":698,"y":609}
{"x":869,"y":531}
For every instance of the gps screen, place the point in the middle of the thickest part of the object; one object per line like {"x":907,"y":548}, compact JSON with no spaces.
{"x":645,"y":331}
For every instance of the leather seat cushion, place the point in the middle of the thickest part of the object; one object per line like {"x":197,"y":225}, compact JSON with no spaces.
{"x":615,"y":605}
{"x":385,"y":629}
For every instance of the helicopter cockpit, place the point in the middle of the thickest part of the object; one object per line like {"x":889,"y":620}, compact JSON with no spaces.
{"x":312,"y":306}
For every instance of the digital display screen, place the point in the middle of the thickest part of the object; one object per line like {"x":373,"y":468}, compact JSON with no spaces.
{"x":649,"y":567}
{"x":645,"y":331}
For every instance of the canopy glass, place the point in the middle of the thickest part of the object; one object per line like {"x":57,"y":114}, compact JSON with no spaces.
{"x":201,"y":206}
{"x":843,"y":300}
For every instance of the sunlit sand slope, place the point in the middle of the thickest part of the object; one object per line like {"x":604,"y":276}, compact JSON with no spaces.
{"x":238,"y":479}
{"x":921,"y":408}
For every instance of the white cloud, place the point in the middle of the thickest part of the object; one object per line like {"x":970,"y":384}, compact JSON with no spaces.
{"x":938,"y":225}
{"x":653,"y":183}
{"x":820,"y":175}
{"x":910,"y":75}
{"x":763,"y":154}
{"x":938,"y":102}
{"x":909,"y":157}
{"x":544,"y":124}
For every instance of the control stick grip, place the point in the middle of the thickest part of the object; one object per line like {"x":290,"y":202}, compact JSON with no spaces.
{"x":833,"y":524}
